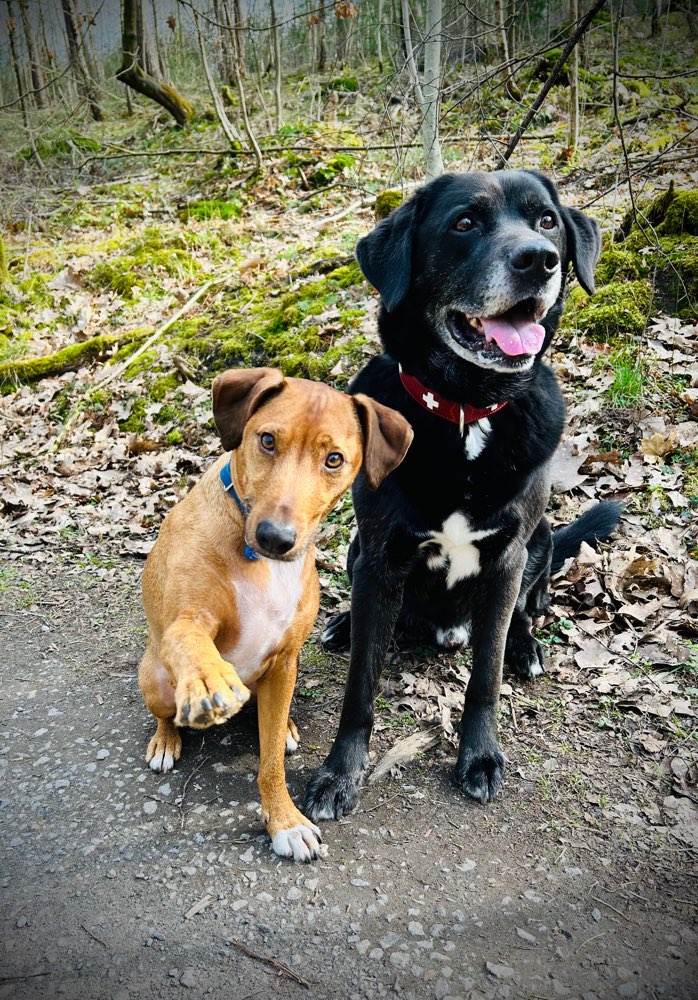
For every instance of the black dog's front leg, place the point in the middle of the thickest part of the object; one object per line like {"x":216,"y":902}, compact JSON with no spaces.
{"x":480,"y":766}
{"x":376,"y":598}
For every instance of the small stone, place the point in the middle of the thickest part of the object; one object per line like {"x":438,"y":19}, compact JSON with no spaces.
{"x":499,"y":971}
{"x":293,"y":893}
{"x":122,"y":995}
{"x":363,"y":946}
{"x":400,"y":959}
{"x":102,"y":754}
{"x":441,"y":989}
{"x":22,"y":922}
{"x":360,"y":883}
{"x":376,"y":954}
{"x":467,"y":865}
{"x":187,"y":979}
{"x":627,"y":989}
{"x":264,"y":897}
{"x":573,"y":872}
{"x":239,"y":904}
{"x":311,"y":884}
{"x":559,"y":989}
{"x":164,"y":789}
{"x":173,"y":973}
{"x":532,"y":896}
{"x":415,"y":928}
{"x":389,"y":940}
{"x":525,"y":936}
{"x":596,"y":915}
{"x":150,"y":807}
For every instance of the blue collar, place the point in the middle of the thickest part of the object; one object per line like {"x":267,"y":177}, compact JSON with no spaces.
{"x":227,"y":480}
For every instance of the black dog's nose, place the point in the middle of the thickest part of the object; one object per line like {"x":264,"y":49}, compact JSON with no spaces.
{"x":277,"y":539}
{"x":535,"y":260}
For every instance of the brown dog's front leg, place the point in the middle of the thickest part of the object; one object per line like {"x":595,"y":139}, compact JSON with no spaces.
{"x":207,"y":689}
{"x":292,"y":835}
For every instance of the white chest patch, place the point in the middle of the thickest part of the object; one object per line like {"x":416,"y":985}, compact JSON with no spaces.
{"x":458,"y":551}
{"x":476,"y":438}
{"x":265,"y":614}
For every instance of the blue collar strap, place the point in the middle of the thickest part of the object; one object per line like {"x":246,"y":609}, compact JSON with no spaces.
{"x":227,"y":480}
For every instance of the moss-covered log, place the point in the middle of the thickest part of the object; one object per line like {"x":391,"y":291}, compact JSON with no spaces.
{"x":134,"y":76}
{"x":68,"y":359}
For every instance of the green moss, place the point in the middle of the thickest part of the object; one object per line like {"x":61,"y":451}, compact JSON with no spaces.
{"x":638,"y":87}
{"x":69,"y":358}
{"x":620,"y":263}
{"x":618,"y":309}
{"x":139,"y":269}
{"x":174,"y":437}
{"x":681,"y":216}
{"x":330,"y":168}
{"x":346,"y":84}
{"x":202,"y":210}
{"x":135,"y":422}
{"x":385,"y":202}
{"x":160,"y":387}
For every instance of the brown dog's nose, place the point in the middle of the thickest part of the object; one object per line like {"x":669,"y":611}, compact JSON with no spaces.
{"x":535,"y":260}
{"x":275,"y":539}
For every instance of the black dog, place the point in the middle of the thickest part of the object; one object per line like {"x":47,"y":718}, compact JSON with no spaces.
{"x":471,"y":272}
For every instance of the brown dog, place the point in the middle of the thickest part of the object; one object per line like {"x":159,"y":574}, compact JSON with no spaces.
{"x":230,"y":588}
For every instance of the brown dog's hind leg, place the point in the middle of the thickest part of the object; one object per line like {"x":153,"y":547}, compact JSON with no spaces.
{"x":292,"y":737}
{"x":165,"y":747}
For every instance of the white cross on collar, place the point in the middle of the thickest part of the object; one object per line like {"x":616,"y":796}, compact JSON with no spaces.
{"x":431,"y":402}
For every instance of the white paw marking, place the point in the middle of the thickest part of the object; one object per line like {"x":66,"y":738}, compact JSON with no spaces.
{"x":300,"y":842}
{"x":163,"y":761}
{"x":458,"y":550}
{"x":458,"y":636}
{"x":477,"y":438}
{"x":291,"y":743}
{"x":535,"y":668}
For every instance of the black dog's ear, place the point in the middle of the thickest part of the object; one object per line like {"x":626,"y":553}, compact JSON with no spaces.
{"x":385,"y":255}
{"x":583,"y":245}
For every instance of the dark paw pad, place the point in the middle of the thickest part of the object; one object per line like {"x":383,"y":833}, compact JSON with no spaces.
{"x":332,"y":794}
{"x":480,"y":773}
{"x":524,"y":656}
{"x":337,"y":634}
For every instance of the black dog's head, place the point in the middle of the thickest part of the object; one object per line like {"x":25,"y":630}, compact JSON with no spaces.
{"x":478,"y":263}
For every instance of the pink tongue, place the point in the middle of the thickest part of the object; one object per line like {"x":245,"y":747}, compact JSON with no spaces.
{"x":519,"y":337}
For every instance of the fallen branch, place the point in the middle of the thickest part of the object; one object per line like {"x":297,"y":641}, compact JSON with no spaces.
{"x":68,"y":359}
{"x":555,"y":73}
{"x":284,"y":969}
{"x":404,"y":750}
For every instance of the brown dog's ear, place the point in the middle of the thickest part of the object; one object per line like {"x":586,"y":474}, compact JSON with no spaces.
{"x":237,"y":393}
{"x":387,"y":436}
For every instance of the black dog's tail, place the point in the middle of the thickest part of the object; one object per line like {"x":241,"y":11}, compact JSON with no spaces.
{"x":595,"y":525}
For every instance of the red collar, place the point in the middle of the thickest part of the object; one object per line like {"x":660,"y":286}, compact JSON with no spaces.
{"x":457,"y":413}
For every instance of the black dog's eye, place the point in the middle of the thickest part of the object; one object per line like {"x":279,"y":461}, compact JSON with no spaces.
{"x":267,"y":441}
{"x":548,"y":221}
{"x":463,"y":224}
{"x":335,"y":460}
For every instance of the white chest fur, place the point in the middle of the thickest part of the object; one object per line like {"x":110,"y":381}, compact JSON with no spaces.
{"x":265,"y":613}
{"x":457,"y":549}
{"x":476,"y":438}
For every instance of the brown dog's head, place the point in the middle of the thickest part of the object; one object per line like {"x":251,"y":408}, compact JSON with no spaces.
{"x":298,"y":446}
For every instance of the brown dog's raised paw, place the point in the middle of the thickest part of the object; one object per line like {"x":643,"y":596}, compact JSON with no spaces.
{"x":209,"y":698}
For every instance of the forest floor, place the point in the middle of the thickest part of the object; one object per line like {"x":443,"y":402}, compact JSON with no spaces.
{"x":580,"y":880}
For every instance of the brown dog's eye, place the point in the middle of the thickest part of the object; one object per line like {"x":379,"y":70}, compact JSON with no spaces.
{"x":548,"y":221}
{"x":464,"y":224}
{"x":267,"y":441}
{"x":334,"y":460}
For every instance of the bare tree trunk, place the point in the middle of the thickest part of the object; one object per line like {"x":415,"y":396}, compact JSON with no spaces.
{"x":243,"y":109}
{"x":342,"y":25}
{"x":86,"y":84}
{"x":379,"y":37}
{"x":133,"y":75}
{"x":428,"y":97}
{"x":656,"y":16}
{"x":146,"y":46}
{"x":12,"y":32}
{"x":432,"y":89}
{"x":156,"y":38}
{"x":38,"y":82}
{"x":276,"y":41}
{"x":240,"y":7}
{"x":322,"y":41}
{"x":229,"y":130}
{"x":573,"y":137}
{"x":509,"y":81}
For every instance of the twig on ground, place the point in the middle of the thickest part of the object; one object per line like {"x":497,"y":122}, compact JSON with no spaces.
{"x":620,"y":914}
{"x":284,"y":969}
{"x":180,"y":804}
{"x":94,"y":936}
{"x":28,"y":975}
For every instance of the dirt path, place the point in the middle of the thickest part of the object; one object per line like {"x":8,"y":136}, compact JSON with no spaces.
{"x":572,"y":884}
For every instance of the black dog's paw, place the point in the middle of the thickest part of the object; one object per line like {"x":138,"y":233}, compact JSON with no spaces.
{"x":524,"y":655}
{"x":480,"y":772}
{"x":333,"y":793}
{"x":337,"y":634}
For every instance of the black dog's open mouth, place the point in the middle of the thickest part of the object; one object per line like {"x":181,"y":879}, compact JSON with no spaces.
{"x":512,"y":337}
